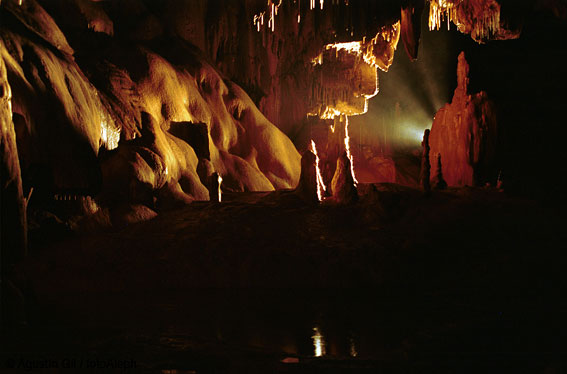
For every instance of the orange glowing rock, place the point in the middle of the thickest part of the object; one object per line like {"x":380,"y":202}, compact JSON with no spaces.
{"x":343,"y":82}
{"x":346,"y":76}
{"x":464,"y":133}
{"x":383,"y":46}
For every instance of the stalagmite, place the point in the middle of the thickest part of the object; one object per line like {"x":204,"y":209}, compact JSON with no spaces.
{"x":500,"y":181}
{"x":348,"y":152}
{"x":215,"y":193}
{"x":465,"y":133}
{"x":439,"y":183}
{"x":307,"y":188}
{"x":425,"y":164}
{"x":343,"y":185}
{"x":321,"y":189}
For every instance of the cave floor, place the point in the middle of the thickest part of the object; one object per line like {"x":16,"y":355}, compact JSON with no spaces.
{"x":465,"y":280}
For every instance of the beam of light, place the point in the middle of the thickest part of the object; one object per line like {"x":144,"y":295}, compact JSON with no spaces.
{"x":320,"y":184}
{"x":413,"y":132}
{"x":318,"y":342}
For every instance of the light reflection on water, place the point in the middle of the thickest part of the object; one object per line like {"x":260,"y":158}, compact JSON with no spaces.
{"x":295,"y":326}
{"x":318,"y":342}
{"x":352,"y":348}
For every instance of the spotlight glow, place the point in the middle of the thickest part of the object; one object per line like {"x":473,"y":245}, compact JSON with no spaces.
{"x":413,"y":132}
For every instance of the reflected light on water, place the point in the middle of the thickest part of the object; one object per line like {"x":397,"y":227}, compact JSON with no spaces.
{"x":318,"y":342}
{"x":352,"y":348}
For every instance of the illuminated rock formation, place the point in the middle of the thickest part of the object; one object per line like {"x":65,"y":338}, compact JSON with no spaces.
{"x":73,"y":104}
{"x":342,"y":83}
{"x":345,"y":74}
{"x":277,"y":57}
{"x":343,"y":186}
{"x":464,"y":133}
{"x":13,"y":225}
{"x":155,"y":165}
{"x":481,"y":19}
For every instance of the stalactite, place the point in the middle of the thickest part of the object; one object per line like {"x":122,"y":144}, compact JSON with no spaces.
{"x":272,"y":8}
{"x":479,"y":18}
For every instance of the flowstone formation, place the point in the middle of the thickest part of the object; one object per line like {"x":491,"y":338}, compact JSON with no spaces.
{"x":464,"y":133}
{"x":13,"y":224}
{"x":101,"y":112}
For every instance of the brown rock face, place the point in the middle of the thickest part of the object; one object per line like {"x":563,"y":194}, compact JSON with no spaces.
{"x":464,"y":133}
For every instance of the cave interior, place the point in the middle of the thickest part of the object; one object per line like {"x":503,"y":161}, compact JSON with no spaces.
{"x":283,"y":186}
